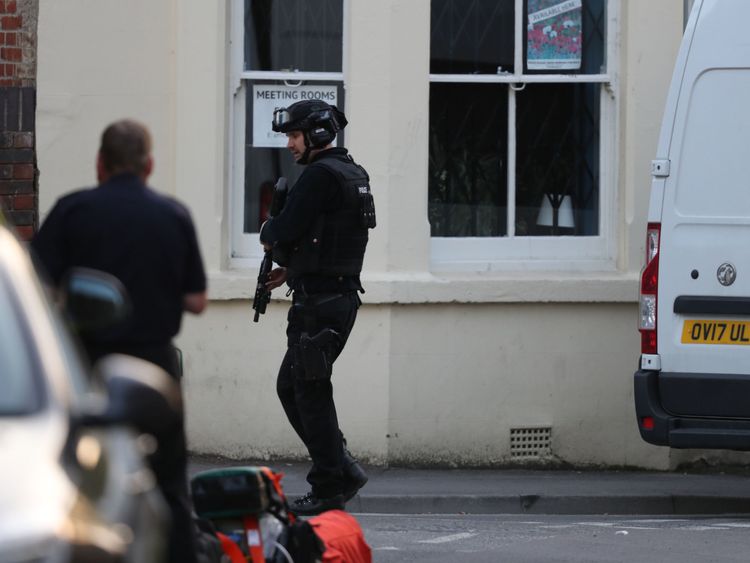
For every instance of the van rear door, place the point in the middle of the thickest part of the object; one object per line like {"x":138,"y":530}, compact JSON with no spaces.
{"x":703,"y":331}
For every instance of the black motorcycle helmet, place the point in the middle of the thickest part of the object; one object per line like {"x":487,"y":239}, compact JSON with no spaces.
{"x":318,"y":121}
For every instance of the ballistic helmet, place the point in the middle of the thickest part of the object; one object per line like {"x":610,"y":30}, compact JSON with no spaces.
{"x":318,"y":121}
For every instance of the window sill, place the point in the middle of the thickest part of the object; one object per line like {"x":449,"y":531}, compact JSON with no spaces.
{"x":492,"y":287}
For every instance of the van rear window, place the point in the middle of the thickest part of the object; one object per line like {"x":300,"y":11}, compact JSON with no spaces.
{"x":713,"y":171}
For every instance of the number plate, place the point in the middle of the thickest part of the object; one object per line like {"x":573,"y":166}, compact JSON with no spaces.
{"x":716,"y":332}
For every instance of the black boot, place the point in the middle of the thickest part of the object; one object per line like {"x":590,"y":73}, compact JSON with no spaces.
{"x":354,"y":476}
{"x":311,"y":504}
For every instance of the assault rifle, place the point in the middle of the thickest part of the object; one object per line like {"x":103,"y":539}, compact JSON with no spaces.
{"x":262,"y":293}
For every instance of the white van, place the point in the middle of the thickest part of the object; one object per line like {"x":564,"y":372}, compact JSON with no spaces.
{"x":693,"y":386}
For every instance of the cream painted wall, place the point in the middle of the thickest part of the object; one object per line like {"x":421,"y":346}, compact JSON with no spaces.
{"x":388,"y":105}
{"x":200,"y":129}
{"x":439,"y":367}
{"x":231,"y":365}
{"x":476,"y":371}
{"x":458,"y":378}
{"x":98,"y":62}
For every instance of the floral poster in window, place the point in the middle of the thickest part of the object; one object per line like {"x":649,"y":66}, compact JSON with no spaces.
{"x":554,"y":35}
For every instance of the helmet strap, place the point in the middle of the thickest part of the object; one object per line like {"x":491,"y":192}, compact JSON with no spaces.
{"x":305,"y":155}
{"x":308,"y":147}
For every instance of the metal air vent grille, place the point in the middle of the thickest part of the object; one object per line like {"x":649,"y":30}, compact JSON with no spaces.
{"x":528,"y":444}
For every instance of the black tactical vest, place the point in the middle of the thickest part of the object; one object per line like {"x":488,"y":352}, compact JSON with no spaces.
{"x":336,"y":244}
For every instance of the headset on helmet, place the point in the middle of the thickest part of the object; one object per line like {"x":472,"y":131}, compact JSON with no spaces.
{"x":317,"y":120}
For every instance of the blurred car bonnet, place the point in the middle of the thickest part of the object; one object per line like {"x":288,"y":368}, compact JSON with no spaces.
{"x":74,"y":483}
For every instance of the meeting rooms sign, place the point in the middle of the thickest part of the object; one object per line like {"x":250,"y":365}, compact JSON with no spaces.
{"x":269,"y":97}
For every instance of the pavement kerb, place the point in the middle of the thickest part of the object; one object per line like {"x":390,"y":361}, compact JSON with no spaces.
{"x":524,"y":504}
{"x":518,"y":491}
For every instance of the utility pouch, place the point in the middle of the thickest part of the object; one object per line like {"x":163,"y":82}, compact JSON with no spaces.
{"x":316,"y":353}
{"x":366,"y":207}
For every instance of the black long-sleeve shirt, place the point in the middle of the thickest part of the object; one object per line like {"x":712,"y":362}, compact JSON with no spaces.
{"x":316,"y":193}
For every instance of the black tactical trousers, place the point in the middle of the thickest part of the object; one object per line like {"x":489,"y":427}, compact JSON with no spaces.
{"x":308,"y":403}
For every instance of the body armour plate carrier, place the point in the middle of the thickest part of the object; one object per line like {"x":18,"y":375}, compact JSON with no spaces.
{"x":336,"y":244}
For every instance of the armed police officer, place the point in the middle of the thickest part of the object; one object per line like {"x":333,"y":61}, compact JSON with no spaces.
{"x":319,"y":240}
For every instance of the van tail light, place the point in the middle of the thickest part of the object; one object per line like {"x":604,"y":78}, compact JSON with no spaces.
{"x":649,"y":290}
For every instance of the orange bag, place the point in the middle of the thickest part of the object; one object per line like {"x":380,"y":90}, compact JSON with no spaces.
{"x":342,"y":536}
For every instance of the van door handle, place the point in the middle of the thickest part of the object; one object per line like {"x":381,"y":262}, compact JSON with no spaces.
{"x":708,"y":305}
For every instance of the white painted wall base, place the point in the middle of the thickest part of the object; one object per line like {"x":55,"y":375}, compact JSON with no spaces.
{"x":430,"y":384}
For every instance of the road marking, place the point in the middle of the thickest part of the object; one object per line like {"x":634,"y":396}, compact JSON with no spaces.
{"x":386,"y":548}
{"x":447,"y":539}
{"x":657,"y":520}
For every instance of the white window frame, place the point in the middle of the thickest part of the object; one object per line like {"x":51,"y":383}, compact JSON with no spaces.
{"x":560,"y":253}
{"x":245,"y":248}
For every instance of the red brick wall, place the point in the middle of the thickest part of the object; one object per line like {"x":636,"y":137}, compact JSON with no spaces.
{"x":18,"y":173}
{"x":18,"y":20}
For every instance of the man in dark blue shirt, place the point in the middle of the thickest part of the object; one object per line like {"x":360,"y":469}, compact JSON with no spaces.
{"x":145,"y":239}
{"x":148,"y":241}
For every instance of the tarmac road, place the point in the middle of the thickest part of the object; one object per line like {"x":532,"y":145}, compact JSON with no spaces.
{"x":532,"y":516}
{"x":398,"y":538}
